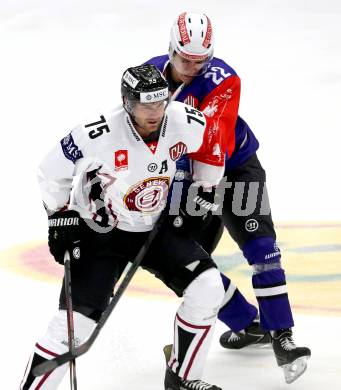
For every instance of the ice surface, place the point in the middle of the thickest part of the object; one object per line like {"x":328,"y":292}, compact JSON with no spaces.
{"x":128,"y":353}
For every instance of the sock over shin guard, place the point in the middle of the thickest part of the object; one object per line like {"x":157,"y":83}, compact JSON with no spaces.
{"x":235,"y":311}
{"x":269,"y":283}
{"x":54,"y":343}
{"x":194,"y":325}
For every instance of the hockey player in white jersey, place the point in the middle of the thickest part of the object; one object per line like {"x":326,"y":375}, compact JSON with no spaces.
{"x":104,"y":186}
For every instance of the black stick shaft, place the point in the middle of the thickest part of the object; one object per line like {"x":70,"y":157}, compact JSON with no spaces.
{"x":70,"y":322}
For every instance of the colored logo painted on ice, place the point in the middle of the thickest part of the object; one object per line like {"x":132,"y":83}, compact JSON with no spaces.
{"x":311,"y":259}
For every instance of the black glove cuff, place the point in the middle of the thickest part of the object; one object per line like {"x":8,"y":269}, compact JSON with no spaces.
{"x":64,"y":218}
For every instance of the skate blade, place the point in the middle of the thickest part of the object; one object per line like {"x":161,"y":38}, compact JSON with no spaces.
{"x":295,"y":369}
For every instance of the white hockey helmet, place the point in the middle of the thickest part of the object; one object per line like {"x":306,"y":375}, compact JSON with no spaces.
{"x":192,"y":37}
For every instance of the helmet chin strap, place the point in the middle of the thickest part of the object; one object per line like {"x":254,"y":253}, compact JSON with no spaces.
{"x":127,"y":107}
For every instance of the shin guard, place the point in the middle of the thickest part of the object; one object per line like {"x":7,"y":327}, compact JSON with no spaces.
{"x":54,"y":343}
{"x":194,"y":325}
{"x":269,"y":283}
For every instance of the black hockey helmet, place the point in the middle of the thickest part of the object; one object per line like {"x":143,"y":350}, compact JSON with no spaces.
{"x":144,"y":84}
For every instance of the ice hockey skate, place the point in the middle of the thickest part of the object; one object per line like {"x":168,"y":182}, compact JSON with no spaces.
{"x":174,"y":382}
{"x":253,"y":334}
{"x":291,"y":358}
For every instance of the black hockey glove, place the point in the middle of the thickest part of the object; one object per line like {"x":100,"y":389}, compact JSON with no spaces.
{"x":187,"y":219}
{"x":66,"y":232}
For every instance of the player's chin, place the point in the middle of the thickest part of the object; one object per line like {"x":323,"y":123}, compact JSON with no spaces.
{"x":152,"y":125}
{"x":187,"y":78}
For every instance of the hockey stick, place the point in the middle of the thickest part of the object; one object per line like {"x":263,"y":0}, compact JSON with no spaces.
{"x":52,"y":364}
{"x":70,"y":323}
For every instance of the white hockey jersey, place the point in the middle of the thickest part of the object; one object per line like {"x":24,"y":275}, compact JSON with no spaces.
{"x":105,"y":170}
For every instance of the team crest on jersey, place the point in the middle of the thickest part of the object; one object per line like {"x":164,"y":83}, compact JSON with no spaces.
{"x":147,"y":196}
{"x":121,"y":160}
{"x":177,"y":150}
{"x":70,"y":149}
{"x":192,"y":101}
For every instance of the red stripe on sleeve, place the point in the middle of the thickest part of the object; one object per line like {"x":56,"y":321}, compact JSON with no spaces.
{"x":221,"y":110}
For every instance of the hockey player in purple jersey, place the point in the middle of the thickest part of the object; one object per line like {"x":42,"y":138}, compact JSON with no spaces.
{"x":212,"y":86}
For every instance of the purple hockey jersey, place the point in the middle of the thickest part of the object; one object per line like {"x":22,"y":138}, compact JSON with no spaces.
{"x":216,"y":93}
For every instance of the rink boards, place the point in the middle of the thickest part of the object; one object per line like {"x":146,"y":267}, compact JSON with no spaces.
{"x":311,"y":255}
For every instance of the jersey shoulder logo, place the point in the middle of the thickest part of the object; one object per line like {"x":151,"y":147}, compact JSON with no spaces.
{"x":70,"y":149}
{"x":177,"y":150}
{"x":121,"y":160}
